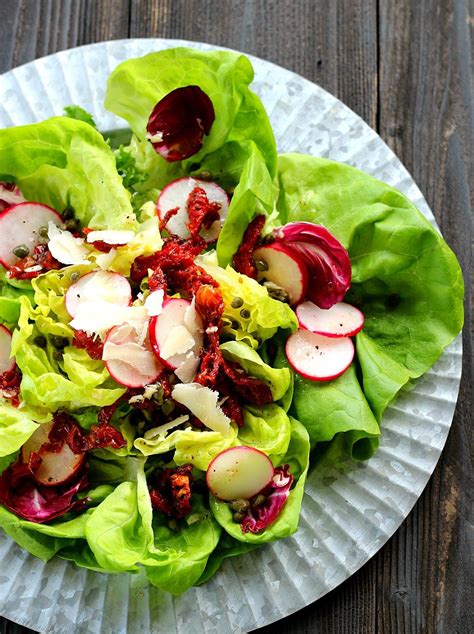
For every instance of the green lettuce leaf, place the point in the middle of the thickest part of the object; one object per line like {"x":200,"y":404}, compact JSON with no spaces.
{"x":10,"y":293}
{"x":286,"y":523}
{"x":17,"y":425}
{"x":266,"y":428}
{"x":62,"y":162}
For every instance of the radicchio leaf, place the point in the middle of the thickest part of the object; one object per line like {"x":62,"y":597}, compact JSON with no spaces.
{"x":259,"y":518}
{"x":10,"y":195}
{"x":21,"y":495}
{"x":179,"y":121}
{"x":326,"y":260}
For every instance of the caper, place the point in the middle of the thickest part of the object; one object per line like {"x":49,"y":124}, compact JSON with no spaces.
{"x":173,"y":525}
{"x":240,"y":505}
{"x":237,"y":302}
{"x":40,"y":341}
{"x":238,"y":517}
{"x":68,"y":213}
{"x":205,"y":175}
{"x":258,"y":500}
{"x":261,"y":265}
{"x":43,"y":231}
{"x":72,"y":225}
{"x":244,"y":313}
{"x":58,"y":355}
{"x":59,"y":342}
{"x":74,"y":276}
{"x":234,"y":324}
{"x":21,"y":251}
{"x":158,"y":395}
{"x":167,"y":407}
{"x":276,"y":292}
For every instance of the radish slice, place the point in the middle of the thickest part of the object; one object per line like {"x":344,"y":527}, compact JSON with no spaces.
{"x":98,"y":286}
{"x":57,"y":467}
{"x":176,"y":194}
{"x":284,"y":269}
{"x":129,"y":361}
{"x":239,"y":472}
{"x":176,"y":332}
{"x":319,"y":358}
{"x":6,"y":364}
{"x":20,"y":225}
{"x":341,"y":320}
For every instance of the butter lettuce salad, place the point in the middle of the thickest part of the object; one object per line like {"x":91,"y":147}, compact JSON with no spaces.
{"x":184,"y":320}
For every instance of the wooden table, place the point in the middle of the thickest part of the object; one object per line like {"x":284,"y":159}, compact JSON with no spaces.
{"x":405,"y":67}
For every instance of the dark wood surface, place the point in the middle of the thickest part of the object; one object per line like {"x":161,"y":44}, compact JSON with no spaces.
{"x":406,"y":67}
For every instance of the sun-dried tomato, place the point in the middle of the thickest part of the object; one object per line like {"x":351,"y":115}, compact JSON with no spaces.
{"x":170,"y":491}
{"x":167,"y":217}
{"x":10,"y":385}
{"x":93,"y":347}
{"x":41,"y":256}
{"x":201,"y":212}
{"x":243,"y":259}
{"x":231,"y":408}
{"x":66,"y":430}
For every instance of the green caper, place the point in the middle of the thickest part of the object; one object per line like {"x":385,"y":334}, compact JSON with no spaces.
{"x":234,"y":324}
{"x":261,"y":265}
{"x":40,"y":341}
{"x":237,"y":302}
{"x":74,"y":276}
{"x":205,"y":175}
{"x":238,"y":517}
{"x":173,"y":525}
{"x":158,"y":395}
{"x":72,"y":225}
{"x":240,"y":505}
{"x":43,"y":232}
{"x":21,"y":251}
{"x":258,"y":500}
{"x":167,"y":407}
{"x":59,"y":342}
{"x":244,"y":313}
{"x":276,"y":292}
{"x":58,"y":355}
{"x":68,"y":213}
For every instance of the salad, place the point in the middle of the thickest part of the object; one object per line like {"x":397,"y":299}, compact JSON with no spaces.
{"x":187,"y":320}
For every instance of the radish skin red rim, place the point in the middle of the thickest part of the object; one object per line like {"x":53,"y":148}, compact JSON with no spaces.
{"x":341,"y":320}
{"x":176,"y":194}
{"x":319,"y":358}
{"x":105,"y":286}
{"x":20,"y":225}
{"x":239,"y":472}
{"x":6,"y":363}
{"x":285,"y":269}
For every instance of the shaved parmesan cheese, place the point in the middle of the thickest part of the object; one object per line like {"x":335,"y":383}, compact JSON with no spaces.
{"x":154,"y":302}
{"x":162,"y":429}
{"x":132,"y":354}
{"x":110,"y":236}
{"x":100,"y":316}
{"x":179,"y":341}
{"x":104,"y":260}
{"x":65,"y":247}
{"x":192,"y":319}
{"x":202,"y":402}
{"x":187,"y":370}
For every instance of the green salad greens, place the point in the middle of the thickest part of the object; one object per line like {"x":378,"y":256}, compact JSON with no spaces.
{"x":184,"y":318}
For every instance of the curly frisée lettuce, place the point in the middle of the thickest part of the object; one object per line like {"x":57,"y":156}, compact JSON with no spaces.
{"x":140,"y":453}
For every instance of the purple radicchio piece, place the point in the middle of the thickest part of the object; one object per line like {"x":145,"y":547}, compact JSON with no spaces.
{"x":179,"y":121}
{"x":259,"y":518}
{"x":10,"y":195}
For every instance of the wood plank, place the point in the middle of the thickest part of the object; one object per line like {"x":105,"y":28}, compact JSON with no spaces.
{"x":331,"y":42}
{"x":33,"y":28}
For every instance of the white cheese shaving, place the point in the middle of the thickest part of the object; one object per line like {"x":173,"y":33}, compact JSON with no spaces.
{"x":187,"y":370}
{"x":34,"y":269}
{"x":65,"y":247}
{"x":192,"y":320}
{"x":202,"y":402}
{"x":104,"y":260}
{"x":111,"y":236}
{"x":179,"y":341}
{"x":100,"y":316}
{"x":154,"y":302}
{"x":132,"y":354}
{"x":155,"y":138}
{"x":162,"y":429}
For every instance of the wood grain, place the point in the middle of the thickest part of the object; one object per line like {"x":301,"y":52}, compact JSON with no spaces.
{"x":406,"y":68}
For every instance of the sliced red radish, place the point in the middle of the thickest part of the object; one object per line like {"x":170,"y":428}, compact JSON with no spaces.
{"x":319,"y":358}
{"x":6,"y":364}
{"x":176,"y":332}
{"x":239,"y":472}
{"x":176,"y":195}
{"x":283,"y":268}
{"x":341,"y":320}
{"x":20,"y":225}
{"x":129,"y":357}
{"x":57,"y":467}
{"x":98,"y":286}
